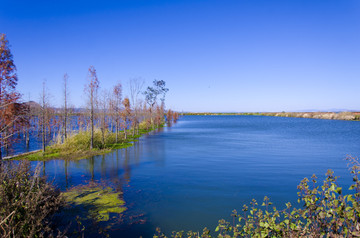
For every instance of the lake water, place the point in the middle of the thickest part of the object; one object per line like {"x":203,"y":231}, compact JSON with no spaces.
{"x":189,"y":176}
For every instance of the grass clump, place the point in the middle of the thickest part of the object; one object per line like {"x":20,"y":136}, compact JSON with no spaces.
{"x":27,"y":201}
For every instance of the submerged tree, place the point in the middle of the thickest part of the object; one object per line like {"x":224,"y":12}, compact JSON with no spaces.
{"x":91,"y":89}
{"x":10,"y":114}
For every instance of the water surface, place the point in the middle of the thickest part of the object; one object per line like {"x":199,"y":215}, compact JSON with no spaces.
{"x":192,"y":174}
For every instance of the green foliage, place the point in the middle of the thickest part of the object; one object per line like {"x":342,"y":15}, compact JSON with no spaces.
{"x":326,"y":212}
{"x":27,"y":201}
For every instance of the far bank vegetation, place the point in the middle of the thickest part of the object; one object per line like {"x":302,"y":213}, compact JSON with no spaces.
{"x":350,"y":116}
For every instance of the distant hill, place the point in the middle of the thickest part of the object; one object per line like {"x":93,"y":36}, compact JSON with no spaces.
{"x":32,"y":104}
{"x":35,"y":105}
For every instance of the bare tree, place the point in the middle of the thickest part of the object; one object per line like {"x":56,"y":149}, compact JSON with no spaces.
{"x":103,"y":103}
{"x":126,"y":115}
{"x":117,"y":96}
{"x":136,"y":85}
{"x":28,"y":116}
{"x":66,"y":98}
{"x":46,"y":118}
{"x":91,"y":89}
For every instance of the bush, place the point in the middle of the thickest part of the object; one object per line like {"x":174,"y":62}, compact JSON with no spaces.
{"x":326,"y":212}
{"x":27,"y":201}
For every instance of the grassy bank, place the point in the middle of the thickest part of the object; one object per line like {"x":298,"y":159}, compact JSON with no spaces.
{"x":77,"y":146}
{"x":350,"y":116}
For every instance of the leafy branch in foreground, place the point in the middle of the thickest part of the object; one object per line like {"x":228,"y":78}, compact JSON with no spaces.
{"x":326,"y":212}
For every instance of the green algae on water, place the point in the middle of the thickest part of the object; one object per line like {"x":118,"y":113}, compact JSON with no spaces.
{"x":96,"y":200}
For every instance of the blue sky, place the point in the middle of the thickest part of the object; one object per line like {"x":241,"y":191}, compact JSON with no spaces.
{"x":221,"y":56}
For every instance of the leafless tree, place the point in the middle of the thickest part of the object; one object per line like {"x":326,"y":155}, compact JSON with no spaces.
{"x":46,"y":120}
{"x":116,"y":105}
{"x":136,"y":86}
{"x":91,"y":89}
{"x":126,"y":115}
{"x":104,"y":108}
{"x":65,"y":105}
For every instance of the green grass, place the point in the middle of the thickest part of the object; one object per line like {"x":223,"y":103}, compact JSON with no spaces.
{"x":77,"y":146}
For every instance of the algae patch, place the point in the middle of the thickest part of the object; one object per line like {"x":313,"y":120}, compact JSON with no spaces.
{"x":96,"y":200}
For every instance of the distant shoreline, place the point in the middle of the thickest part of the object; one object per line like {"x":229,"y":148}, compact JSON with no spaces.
{"x":348,"y":116}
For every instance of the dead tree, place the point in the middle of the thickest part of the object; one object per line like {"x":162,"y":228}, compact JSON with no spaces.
{"x":91,"y":89}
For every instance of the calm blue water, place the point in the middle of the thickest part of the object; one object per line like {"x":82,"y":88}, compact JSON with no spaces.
{"x":193,"y":174}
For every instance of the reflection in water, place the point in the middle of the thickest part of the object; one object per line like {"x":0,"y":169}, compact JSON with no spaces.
{"x":91,"y":167}
{"x":66,"y":164}
{"x":79,"y":177}
{"x":44,"y":168}
{"x":126,"y":166}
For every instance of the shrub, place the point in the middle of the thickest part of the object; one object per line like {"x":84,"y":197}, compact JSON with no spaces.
{"x":27,"y":201}
{"x":326,"y":212}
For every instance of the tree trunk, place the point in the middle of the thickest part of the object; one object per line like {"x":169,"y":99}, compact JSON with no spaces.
{"x":103,"y":137}
{"x":43,"y":139}
{"x":92,"y":126}
{"x":116,"y":130}
{"x":134,"y":129}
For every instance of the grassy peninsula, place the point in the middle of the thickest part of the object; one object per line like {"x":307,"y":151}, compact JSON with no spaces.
{"x":77,"y":146}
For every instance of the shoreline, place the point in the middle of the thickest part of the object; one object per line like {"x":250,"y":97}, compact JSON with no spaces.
{"x":55,"y":153}
{"x":347,"y":116}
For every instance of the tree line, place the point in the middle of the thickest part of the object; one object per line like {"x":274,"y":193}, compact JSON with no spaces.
{"x":106,"y":110}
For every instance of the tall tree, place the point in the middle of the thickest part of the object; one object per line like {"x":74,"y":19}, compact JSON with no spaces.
{"x":104,"y":108}
{"x":117,"y":97}
{"x":28,"y":117}
{"x":126,"y":114}
{"x":46,"y":117}
{"x":8,"y":94}
{"x":65,"y":110}
{"x":152,"y":93}
{"x":136,"y":85}
{"x":91,"y":89}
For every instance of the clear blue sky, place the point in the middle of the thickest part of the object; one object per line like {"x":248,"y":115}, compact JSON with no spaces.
{"x":215,"y":55}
